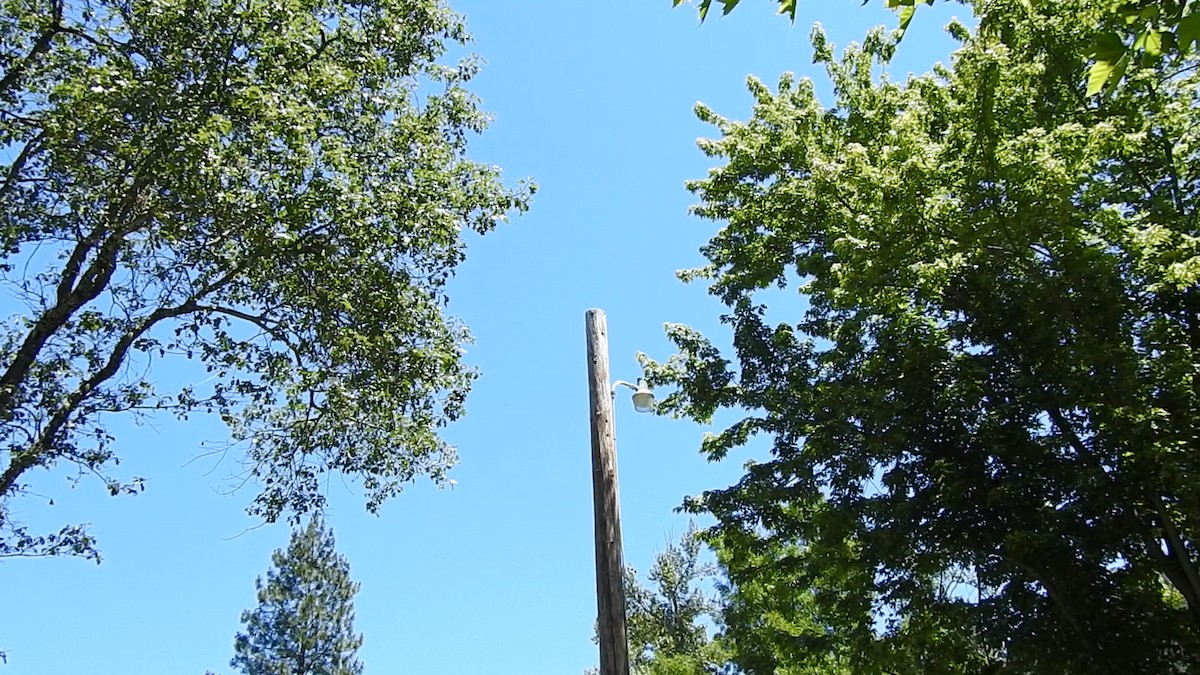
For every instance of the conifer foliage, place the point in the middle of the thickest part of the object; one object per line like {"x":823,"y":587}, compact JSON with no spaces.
{"x":304,"y":621}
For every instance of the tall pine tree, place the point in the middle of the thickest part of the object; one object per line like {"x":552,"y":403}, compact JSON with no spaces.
{"x":304,"y":622}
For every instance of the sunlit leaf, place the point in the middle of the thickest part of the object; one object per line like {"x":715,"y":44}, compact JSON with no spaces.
{"x":906,"y":13}
{"x":1098,"y":77}
{"x":1150,"y":41}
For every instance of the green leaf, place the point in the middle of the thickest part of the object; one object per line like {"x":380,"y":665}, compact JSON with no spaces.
{"x":1108,"y":47}
{"x":906,"y":13}
{"x":1098,"y":76}
{"x":1150,"y":41}
{"x":1189,"y":31}
{"x":1108,"y":51}
{"x":729,"y":5}
{"x":788,"y":7}
{"x":1117,"y":74}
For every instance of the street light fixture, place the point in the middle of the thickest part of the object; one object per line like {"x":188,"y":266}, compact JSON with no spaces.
{"x":643,"y":397}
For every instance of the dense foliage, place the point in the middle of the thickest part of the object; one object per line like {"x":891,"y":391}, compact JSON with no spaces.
{"x":769,"y":623}
{"x":274,"y":190}
{"x":304,"y":621}
{"x":1147,"y":30}
{"x":985,"y":426}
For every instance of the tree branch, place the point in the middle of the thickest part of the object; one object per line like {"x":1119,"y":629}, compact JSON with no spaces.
{"x":1185,"y":577}
{"x":70,"y":298}
{"x":40,"y":47}
{"x":23,"y":461}
{"x":257,"y":320}
{"x":18,"y":165}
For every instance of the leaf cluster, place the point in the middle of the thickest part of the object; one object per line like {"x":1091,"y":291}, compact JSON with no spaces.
{"x":1138,"y":31}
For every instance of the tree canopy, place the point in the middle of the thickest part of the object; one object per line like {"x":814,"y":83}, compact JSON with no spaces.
{"x":273,"y":190}
{"x":304,"y":621}
{"x":983,"y":424}
{"x":1143,"y":30}
{"x":768,"y":624}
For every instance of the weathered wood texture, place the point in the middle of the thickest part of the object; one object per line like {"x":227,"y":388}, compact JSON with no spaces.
{"x":610,"y":563}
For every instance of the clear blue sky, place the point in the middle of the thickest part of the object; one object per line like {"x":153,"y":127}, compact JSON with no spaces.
{"x":593,"y":100}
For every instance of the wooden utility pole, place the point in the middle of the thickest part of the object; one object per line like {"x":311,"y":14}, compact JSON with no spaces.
{"x":610,"y":563}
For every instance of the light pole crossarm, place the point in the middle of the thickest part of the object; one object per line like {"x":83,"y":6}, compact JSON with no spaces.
{"x":622,"y":383}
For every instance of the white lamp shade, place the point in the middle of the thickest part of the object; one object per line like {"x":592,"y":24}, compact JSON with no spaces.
{"x":643,"y":398}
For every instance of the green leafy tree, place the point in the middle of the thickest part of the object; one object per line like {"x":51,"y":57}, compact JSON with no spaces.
{"x":304,"y":621}
{"x":769,"y":622}
{"x":665,"y":619}
{"x":984,"y":419}
{"x":1138,"y":31}
{"x":274,"y":190}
